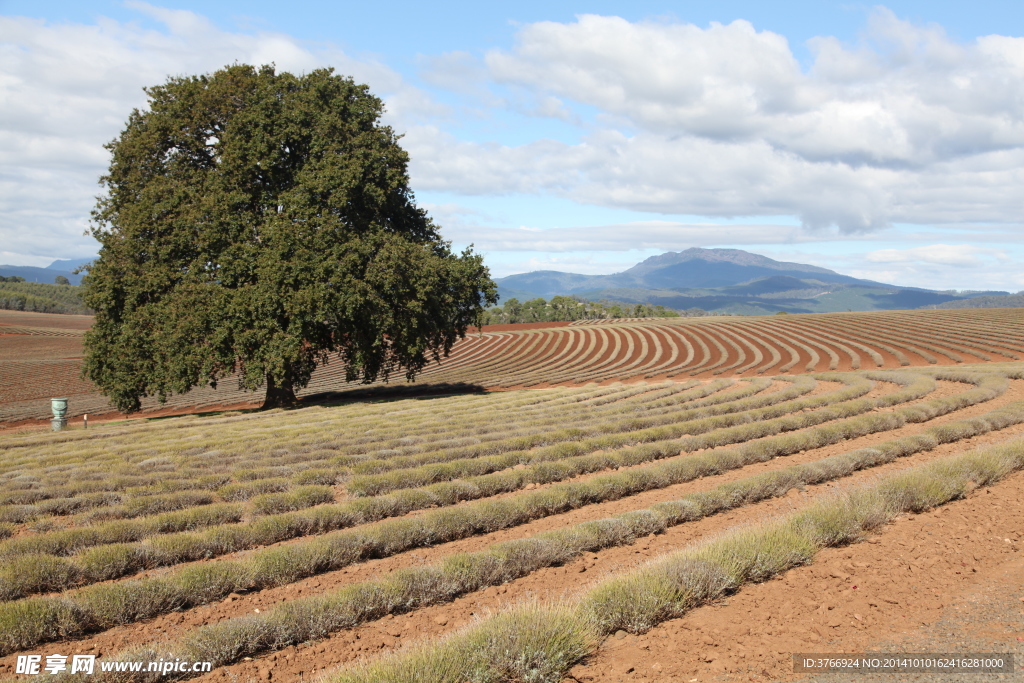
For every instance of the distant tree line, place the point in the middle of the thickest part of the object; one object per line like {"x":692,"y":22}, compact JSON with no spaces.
{"x":565,"y":308}
{"x":59,"y":280}
{"x":992,"y":301}
{"x":18,"y":295}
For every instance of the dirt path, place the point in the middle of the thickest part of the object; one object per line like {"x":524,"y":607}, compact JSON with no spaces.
{"x":947,"y":580}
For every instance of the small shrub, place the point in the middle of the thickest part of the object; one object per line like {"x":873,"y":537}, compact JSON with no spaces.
{"x":261,"y":473}
{"x":125,"y":602}
{"x":26,"y":623}
{"x":42,"y":526}
{"x":149,"y":505}
{"x":246,"y":490}
{"x":36,"y":574}
{"x":18,"y":514}
{"x":114,"y":560}
{"x":296,"y":499}
{"x":319,"y":477}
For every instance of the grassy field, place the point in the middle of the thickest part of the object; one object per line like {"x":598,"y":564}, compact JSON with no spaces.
{"x":240,"y":538}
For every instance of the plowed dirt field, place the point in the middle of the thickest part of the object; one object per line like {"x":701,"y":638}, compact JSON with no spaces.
{"x":40,"y":355}
{"x":301,"y":545}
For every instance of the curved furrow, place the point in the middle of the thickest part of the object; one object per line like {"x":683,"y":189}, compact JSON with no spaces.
{"x":852,"y":326}
{"x":869,"y":335}
{"x":914,"y":345}
{"x":705,"y":357}
{"x":621,"y":351}
{"x":716,"y":340}
{"x":491,"y":344}
{"x":842,"y":326}
{"x":636,"y":353}
{"x":490,"y":369}
{"x":538,"y":369}
{"x":728,"y":344}
{"x":774,"y":343}
{"x":486,"y":366}
{"x":469,"y":347}
{"x":754,"y":337}
{"x":571,"y":344}
{"x":609,"y":354}
{"x":675,"y":338}
{"x":808,"y":346}
{"x":739,"y":333}
{"x":667,"y":345}
{"x":526,"y":366}
{"x":1002,"y":328}
{"x":1007,"y":338}
{"x":585,"y":349}
{"x":810,"y":328}
{"x":963,"y":343}
{"x":596,"y":352}
{"x":730,"y":341}
{"x":624,"y":352}
{"x":827,"y":330}
{"x":652,"y":353}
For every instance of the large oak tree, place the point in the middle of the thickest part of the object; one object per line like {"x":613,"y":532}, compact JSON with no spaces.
{"x":260,"y":223}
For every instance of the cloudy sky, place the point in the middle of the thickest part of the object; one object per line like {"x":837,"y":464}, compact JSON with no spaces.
{"x":884,"y":142}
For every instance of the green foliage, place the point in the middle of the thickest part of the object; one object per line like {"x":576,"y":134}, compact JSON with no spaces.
{"x":61,"y":280}
{"x":562,"y":308}
{"x":260,"y":223}
{"x":18,"y":295}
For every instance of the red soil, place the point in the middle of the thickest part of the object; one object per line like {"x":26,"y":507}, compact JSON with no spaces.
{"x":519,"y":326}
{"x":28,"y":319}
{"x":546,"y":354}
{"x":914,"y":587}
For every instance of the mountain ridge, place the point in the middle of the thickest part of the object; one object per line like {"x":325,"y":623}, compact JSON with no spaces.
{"x":726,"y":281}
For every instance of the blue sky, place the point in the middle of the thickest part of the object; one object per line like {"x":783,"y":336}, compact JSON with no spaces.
{"x":881,"y":141}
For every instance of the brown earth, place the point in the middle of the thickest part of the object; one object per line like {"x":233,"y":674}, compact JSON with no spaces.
{"x":518,"y":326}
{"x":35,"y":364}
{"x":58,"y":321}
{"x":949,"y":580}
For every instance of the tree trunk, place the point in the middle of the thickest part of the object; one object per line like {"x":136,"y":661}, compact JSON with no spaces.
{"x":279,"y":396}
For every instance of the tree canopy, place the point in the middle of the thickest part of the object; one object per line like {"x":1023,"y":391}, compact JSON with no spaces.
{"x":260,"y":223}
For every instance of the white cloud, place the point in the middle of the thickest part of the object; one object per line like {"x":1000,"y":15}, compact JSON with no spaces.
{"x":960,"y":255}
{"x":457,"y":71}
{"x":909,"y":126}
{"x":67,"y":89}
{"x":648,"y":235}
